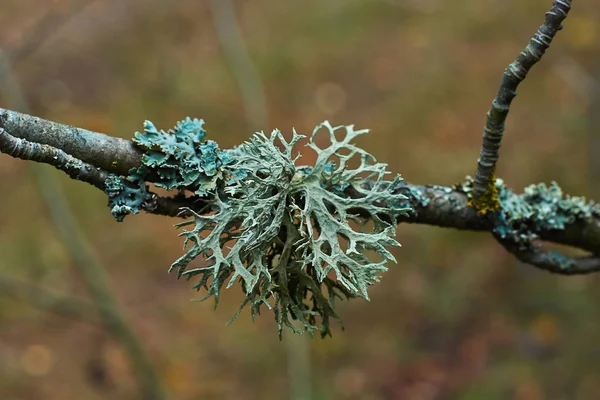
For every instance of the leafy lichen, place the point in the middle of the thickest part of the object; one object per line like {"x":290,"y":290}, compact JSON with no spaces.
{"x":292,"y":235}
{"x":539,"y":208}
{"x":125,"y":196}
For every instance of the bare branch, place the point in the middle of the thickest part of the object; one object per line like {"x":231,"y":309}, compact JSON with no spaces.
{"x":109,"y":153}
{"x":43,"y":153}
{"x":484,"y":198}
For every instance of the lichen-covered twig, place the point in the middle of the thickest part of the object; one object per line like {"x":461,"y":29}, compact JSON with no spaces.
{"x":552,"y":261}
{"x":241,"y":197}
{"x":485,"y":198}
{"x":433,"y":205}
{"x":81,"y":171}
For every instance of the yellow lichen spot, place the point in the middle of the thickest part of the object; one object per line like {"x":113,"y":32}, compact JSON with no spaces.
{"x":114,"y":164}
{"x":488,"y":201}
{"x":37,"y":360}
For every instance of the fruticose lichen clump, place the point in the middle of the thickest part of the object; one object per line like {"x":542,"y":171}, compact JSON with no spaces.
{"x":295,"y":237}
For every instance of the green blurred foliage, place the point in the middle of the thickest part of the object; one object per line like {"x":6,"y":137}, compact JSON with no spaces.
{"x":456,"y":318}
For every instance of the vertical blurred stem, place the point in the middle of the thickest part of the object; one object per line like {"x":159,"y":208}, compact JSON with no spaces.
{"x":298,"y":360}
{"x":92,"y":271}
{"x":253,"y":96}
{"x":594,"y":133}
{"x":240,"y":64}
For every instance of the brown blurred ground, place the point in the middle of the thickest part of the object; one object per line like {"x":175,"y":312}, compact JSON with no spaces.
{"x":456,"y":318}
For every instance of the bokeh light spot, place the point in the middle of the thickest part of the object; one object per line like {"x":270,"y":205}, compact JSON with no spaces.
{"x":37,"y":360}
{"x":330,"y":97}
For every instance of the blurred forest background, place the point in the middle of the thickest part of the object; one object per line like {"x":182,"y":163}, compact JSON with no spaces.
{"x":457,"y":318}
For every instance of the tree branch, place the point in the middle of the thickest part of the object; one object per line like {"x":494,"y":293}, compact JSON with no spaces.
{"x":484,"y":198}
{"x":90,"y":147}
{"x":433,"y":205}
{"x":43,"y":153}
{"x":552,"y":261}
{"x":109,"y":153}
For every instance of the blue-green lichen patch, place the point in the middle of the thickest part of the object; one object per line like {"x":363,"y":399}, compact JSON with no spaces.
{"x":539,"y":208}
{"x":125,"y":196}
{"x":288,"y":234}
{"x":181,"y":158}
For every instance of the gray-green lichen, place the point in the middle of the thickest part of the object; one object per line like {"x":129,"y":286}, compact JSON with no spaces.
{"x":289,"y":234}
{"x":539,"y":208}
{"x":125,"y":196}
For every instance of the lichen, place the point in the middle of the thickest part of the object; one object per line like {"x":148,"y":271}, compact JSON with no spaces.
{"x":180,"y":158}
{"x":417,"y":196}
{"x":539,"y":208}
{"x":125,"y":196}
{"x":487,"y":202}
{"x":291,"y":235}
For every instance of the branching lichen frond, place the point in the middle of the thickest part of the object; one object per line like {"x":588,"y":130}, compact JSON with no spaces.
{"x":324,"y":211}
{"x":289,"y":234}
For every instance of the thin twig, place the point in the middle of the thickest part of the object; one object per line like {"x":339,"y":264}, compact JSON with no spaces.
{"x":42,"y":153}
{"x":109,"y":153}
{"x":552,"y":261}
{"x":78,"y":170}
{"x":484,"y":198}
